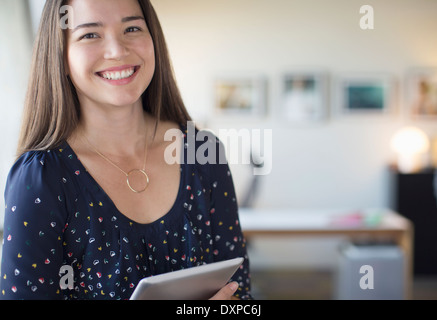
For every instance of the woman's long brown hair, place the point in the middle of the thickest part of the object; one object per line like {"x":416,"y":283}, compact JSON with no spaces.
{"x":51,"y":109}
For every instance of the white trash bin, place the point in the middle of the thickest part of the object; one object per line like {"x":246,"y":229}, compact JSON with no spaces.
{"x":370,"y":272}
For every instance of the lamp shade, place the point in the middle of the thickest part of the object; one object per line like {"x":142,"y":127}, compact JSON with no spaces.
{"x":411,"y":145}
{"x":410,"y":140}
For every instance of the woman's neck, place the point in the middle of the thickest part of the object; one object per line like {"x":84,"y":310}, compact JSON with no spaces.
{"x":118,"y":131}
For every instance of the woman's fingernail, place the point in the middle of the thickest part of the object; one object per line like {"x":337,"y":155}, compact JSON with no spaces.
{"x":233,"y":286}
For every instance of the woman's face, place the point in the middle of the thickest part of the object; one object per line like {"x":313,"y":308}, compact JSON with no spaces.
{"x":110,"y":52}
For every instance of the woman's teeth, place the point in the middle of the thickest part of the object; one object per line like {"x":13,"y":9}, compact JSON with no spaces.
{"x":118,"y":75}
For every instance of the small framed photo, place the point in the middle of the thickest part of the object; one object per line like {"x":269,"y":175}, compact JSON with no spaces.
{"x":365,"y":94}
{"x":241,"y":95}
{"x":304,"y":96}
{"x":421,"y":90}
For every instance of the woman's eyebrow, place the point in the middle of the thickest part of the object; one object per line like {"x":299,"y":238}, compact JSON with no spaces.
{"x":99,"y":24}
{"x":132,"y":18}
{"x":88,"y":25}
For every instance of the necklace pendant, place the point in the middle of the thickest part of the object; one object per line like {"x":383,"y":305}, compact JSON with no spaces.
{"x":142,"y":172}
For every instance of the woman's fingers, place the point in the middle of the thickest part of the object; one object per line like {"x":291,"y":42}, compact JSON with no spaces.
{"x":226,"y":292}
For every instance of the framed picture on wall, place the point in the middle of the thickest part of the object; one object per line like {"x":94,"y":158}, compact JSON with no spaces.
{"x":304,"y":96}
{"x":365,"y":94}
{"x":421,"y":90}
{"x":240,"y":95}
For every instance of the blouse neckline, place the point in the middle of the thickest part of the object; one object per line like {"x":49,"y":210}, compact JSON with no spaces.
{"x":88,"y":181}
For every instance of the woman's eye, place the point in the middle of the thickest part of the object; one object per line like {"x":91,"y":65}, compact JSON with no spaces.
{"x":89,"y":36}
{"x":132,"y":29}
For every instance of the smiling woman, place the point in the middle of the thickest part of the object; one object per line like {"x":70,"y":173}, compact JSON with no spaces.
{"x":101,"y":97}
{"x":51,"y":85}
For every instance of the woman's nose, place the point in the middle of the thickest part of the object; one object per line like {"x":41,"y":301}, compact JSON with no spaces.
{"x":115,"y":49}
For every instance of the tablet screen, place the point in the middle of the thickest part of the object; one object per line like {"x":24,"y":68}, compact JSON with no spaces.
{"x":196,"y":283}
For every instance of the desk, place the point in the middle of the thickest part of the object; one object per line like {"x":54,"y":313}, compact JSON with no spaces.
{"x":366,"y":225}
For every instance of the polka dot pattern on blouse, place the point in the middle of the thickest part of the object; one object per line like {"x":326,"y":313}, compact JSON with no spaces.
{"x":57,"y":215}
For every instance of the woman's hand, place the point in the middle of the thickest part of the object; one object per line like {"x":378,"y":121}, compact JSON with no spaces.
{"x":227,"y":292}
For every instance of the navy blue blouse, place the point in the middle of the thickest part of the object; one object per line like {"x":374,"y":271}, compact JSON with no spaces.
{"x":57,"y":215}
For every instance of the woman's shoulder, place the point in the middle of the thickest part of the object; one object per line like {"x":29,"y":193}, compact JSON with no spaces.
{"x":36,"y":156}
{"x":204,"y":139}
{"x":37,"y":160}
{"x":205,"y":153}
{"x":37,"y":185}
{"x":37,"y":168}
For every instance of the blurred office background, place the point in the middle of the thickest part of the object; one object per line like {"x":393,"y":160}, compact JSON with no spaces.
{"x":330,"y":156}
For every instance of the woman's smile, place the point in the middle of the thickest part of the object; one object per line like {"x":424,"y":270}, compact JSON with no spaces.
{"x":119,"y":75}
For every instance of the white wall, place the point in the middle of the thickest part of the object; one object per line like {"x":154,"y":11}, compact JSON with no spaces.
{"x":340,"y":163}
{"x":36,"y":7}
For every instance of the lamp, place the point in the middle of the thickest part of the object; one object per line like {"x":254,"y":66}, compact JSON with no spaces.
{"x":411,"y":145}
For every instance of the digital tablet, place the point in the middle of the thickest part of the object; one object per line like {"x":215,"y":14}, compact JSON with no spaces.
{"x":196,"y":283}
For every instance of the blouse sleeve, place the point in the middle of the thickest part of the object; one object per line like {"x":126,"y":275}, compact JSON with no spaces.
{"x":229,"y":241}
{"x":35,"y":219}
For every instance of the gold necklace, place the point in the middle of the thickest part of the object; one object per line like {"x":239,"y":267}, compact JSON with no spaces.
{"x":127,"y":174}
